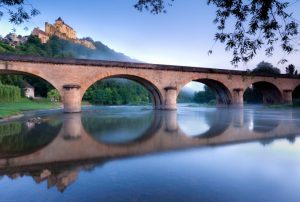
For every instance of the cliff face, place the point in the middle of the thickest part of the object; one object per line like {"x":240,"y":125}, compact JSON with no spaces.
{"x":63,"y":31}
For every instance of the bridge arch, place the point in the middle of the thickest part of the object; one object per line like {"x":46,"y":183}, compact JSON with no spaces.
{"x":269,"y":92}
{"x":156,"y":95}
{"x":35,"y":74}
{"x":222,"y":93}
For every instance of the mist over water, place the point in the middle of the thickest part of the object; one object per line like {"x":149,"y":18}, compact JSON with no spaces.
{"x":138,"y":154}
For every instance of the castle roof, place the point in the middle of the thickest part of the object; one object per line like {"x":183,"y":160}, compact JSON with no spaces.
{"x":25,"y":84}
{"x":59,"y":19}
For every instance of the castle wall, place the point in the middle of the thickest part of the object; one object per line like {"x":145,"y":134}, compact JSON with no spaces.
{"x":62,"y":31}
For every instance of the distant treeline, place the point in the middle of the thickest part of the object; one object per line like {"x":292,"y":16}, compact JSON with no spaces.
{"x":203,"y":97}
{"x":117,"y":92}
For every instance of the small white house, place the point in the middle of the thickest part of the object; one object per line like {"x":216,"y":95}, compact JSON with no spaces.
{"x":28,"y":90}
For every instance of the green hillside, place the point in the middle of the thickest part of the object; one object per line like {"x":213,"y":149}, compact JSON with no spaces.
{"x":56,"y":47}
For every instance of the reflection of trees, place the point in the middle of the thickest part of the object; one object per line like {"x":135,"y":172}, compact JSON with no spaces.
{"x":135,"y":126}
{"x":10,"y":129}
{"x":18,"y":139}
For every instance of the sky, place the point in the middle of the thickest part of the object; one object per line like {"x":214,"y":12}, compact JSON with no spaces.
{"x":182,"y":36}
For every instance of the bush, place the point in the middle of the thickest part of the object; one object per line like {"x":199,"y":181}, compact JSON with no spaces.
{"x":212,"y":102}
{"x":9,"y":93}
{"x":53,"y":95}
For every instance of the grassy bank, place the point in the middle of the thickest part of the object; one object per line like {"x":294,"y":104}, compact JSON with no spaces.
{"x":15,"y":108}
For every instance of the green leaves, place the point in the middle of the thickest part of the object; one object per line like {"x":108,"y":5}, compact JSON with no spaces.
{"x":18,"y":11}
{"x":9,"y":93}
{"x":257,"y":22}
{"x":154,"y":6}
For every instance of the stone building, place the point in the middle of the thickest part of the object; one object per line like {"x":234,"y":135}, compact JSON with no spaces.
{"x":62,"y":31}
{"x":14,"y":40}
{"x":43,"y":36}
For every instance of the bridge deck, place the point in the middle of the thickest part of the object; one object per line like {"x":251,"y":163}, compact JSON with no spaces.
{"x":103,"y":63}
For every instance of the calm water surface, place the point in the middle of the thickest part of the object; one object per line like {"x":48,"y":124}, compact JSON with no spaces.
{"x":137,"y":154}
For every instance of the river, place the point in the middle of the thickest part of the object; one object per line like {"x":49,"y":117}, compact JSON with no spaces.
{"x":129,"y":153}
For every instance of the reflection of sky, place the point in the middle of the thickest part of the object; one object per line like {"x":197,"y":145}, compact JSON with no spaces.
{"x":193,"y":125}
{"x":193,"y":120}
{"x":122,"y":135}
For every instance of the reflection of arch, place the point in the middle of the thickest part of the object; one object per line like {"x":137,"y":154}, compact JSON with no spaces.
{"x":218,"y":121}
{"x":34,"y":74}
{"x":154,"y":91}
{"x":27,"y":137}
{"x":93,"y":127}
{"x":222,"y":93}
{"x":270,"y":92}
{"x":261,"y":123}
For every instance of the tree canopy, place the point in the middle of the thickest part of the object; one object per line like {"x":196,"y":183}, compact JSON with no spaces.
{"x":257,"y":24}
{"x":291,"y":70}
{"x":266,"y":68}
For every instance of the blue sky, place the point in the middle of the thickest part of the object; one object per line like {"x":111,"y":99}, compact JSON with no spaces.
{"x":183,"y":36}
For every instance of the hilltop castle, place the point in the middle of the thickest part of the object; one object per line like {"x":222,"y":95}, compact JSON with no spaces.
{"x":62,"y":31}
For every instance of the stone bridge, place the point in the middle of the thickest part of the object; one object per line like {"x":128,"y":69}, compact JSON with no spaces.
{"x":72,"y":77}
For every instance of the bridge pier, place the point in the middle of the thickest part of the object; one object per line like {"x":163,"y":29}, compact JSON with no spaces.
{"x":237,"y":97}
{"x":287,"y":96}
{"x":170,"y":102}
{"x":71,"y":98}
{"x":72,"y":126}
{"x":170,"y":119}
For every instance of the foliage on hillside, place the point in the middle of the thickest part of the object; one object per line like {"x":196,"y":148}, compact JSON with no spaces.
{"x":56,"y":47}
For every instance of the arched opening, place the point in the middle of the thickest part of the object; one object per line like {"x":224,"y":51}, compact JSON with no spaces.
{"x":22,"y":91}
{"x":123,"y":90}
{"x":262,"y":92}
{"x":296,"y":96}
{"x":114,"y":127}
{"x":205,"y":91}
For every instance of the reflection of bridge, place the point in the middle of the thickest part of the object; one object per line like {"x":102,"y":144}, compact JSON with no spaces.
{"x":72,"y":78}
{"x":73,"y":143}
{"x":74,"y":149}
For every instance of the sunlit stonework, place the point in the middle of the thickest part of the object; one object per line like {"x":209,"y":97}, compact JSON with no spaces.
{"x":62,"y":31}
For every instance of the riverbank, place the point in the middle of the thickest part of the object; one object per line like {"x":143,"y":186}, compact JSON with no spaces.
{"x":16,"y":108}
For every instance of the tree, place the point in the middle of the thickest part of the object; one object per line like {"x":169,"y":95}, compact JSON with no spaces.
{"x":266,"y":68}
{"x":205,"y":96}
{"x":291,"y":70}
{"x":19,"y":11}
{"x":257,"y":24}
